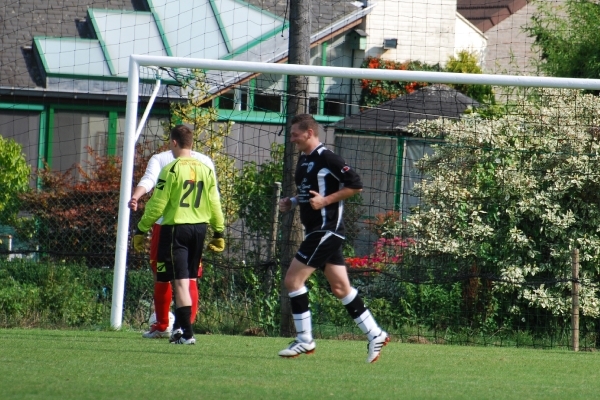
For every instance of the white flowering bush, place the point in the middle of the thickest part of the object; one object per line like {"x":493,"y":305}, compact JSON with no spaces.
{"x":510,"y":197}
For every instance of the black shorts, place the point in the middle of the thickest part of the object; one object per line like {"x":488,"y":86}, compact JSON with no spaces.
{"x":179,"y":251}
{"x":320,"y":248}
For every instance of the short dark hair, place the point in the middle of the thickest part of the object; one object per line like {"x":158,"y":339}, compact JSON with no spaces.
{"x":183,"y":135}
{"x":306,"y":122}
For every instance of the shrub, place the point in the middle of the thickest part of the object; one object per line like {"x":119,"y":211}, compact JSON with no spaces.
{"x":68,"y":295}
{"x":14,"y":179}
{"x":518,"y":194}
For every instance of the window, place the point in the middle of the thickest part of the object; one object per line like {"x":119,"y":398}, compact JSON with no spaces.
{"x":234,"y":100}
{"x":73,"y":132}
{"x":313,"y":105}
{"x":266,"y":102}
{"x":334,"y":107}
{"x":226,"y":101}
{"x":23,"y":127}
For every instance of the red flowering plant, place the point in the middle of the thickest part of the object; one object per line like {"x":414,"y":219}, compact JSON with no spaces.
{"x":375,"y":92}
{"x":388,"y":249}
{"x":387,"y":252}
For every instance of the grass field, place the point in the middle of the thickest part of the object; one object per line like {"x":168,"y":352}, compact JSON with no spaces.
{"x":49,"y":364}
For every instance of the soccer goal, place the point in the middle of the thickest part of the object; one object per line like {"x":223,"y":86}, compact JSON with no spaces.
{"x":475,"y":210}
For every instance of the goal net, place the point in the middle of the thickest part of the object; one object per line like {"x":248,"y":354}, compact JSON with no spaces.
{"x":478,"y":218}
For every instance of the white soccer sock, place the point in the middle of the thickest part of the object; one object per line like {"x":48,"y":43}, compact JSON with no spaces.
{"x":351,"y":296}
{"x":298,"y":292}
{"x":368,"y":325}
{"x":302,"y":322}
{"x":303,"y":325}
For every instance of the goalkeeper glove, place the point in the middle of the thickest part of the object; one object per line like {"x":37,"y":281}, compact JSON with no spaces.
{"x":217,"y":244}
{"x":139,"y":241}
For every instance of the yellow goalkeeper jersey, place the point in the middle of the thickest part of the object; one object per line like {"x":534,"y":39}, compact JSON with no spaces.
{"x":185,"y":193}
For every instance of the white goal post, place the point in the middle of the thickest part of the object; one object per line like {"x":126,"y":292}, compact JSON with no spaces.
{"x":132,"y":131}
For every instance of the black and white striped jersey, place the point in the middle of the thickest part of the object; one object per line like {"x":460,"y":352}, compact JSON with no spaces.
{"x":324,"y":172}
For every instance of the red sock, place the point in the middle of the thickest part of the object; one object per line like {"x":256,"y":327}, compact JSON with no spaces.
{"x":162,"y":303}
{"x":194,"y":296}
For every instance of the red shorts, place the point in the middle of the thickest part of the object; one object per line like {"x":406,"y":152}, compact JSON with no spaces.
{"x":154,"y":250}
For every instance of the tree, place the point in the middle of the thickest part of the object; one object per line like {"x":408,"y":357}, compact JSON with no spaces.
{"x":567,"y":38}
{"x":515,"y":195}
{"x":466,"y":62}
{"x":254,"y":192}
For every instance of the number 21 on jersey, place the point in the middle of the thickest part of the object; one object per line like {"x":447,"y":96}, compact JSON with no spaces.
{"x":188,"y":188}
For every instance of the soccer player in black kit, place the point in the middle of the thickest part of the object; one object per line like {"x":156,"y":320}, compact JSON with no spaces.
{"x":323,"y":181}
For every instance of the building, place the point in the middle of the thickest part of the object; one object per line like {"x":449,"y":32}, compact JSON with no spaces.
{"x":64,"y":64}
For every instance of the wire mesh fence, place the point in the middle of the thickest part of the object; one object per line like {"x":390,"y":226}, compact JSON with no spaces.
{"x":464,"y":232}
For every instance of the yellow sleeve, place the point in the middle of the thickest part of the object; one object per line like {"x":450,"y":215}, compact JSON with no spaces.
{"x":217,"y":221}
{"x":159,"y":200}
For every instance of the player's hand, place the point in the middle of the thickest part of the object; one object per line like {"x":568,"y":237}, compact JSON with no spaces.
{"x":133,"y":204}
{"x":139,"y":242}
{"x":317,"y":201}
{"x":285,"y":204}
{"x":217,"y":243}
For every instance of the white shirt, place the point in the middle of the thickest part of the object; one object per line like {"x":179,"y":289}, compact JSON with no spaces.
{"x":158,"y":161}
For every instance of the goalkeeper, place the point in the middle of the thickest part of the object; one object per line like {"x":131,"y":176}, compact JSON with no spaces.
{"x":163,"y":290}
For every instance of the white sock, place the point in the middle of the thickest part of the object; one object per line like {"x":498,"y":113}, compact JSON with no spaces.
{"x":303,"y":325}
{"x":351,"y":296}
{"x":298,"y":292}
{"x":368,"y":325}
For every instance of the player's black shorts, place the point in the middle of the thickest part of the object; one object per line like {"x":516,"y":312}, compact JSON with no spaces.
{"x":320,"y":248}
{"x":179,"y":251}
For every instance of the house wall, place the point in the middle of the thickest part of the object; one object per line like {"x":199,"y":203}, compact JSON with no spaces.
{"x":509,"y":49}
{"x":425,"y":30}
{"x":469,"y":38}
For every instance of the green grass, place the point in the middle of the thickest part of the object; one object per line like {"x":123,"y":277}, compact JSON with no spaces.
{"x":121,"y":365}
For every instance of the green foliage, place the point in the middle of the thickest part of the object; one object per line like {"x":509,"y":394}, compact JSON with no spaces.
{"x":261,"y":293}
{"x":57,"y":295}
{"x":468,"y":63}
{"x":73,"y":216}
{"x":375,"y":92}
{"x":14,"y":179}
{"x":253,"y":191}
{"x":353,"y":212}
{"x":67,"y":295}
{"x":567,"y":36}
{"x":518,"y":194}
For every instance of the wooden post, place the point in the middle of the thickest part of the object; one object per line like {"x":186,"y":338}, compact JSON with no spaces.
{"x":274,"y":220}
{"x":575,"y":300}
{"x":296,"y":103}
{"x":272,"y":248}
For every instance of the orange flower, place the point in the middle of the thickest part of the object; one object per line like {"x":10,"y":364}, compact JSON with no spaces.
{"x":374,"y":63}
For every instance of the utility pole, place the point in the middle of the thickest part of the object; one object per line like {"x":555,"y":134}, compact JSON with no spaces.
{"x":296,"y":103}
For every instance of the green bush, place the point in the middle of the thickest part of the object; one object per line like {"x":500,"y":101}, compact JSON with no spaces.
{"x":14,"y":179}
{"x":68,"y":295}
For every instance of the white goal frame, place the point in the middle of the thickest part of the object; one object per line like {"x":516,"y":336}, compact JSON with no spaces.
{"x":132,"y":130}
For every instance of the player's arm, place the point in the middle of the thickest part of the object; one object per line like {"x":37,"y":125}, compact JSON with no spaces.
{"x":158,"y":202}
{"x":146,"y":183}
{"x":287,"y":203}
{"x":343,"y":173}
{"x":138,"y":192}
{"x":318,"y":202}
{"x":217,"y":221}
